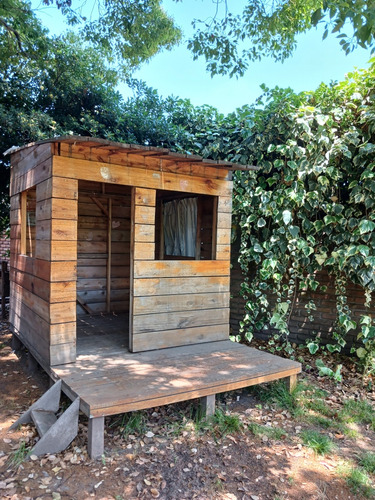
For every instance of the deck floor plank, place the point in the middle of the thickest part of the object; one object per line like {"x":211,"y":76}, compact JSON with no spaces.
{"x":110,"y":380}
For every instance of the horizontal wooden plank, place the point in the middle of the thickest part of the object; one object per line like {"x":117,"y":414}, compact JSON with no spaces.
{"x":46,"y":270}
{"x":33,"y":157}
{"x":62,"y":354}
{"x":223,"y":236}
{"x":174,"y":286}
{"x":57,"y":187}
{"x":224,"y":204}
{"x":102,"y":235}
{"x":166,"y":269}
{"x":144,"y":214}
{"x":117,"y":174}
{"x":223,"y":252}
{"x":100,"y":223}
{"x":224,"y":220}
{"x":56,"y":250}
{"x":92,"y":296}
{"x":30,"y":336}
{"x":56,"y":208}
{"x":57,"y":229}
{"x":101,"y":308}
{"x":41,"y":330}
{"x":15,"y":216}
{"x":180,"y":337}
{"x":143,"y":160}
{"x":185,"y":302}
{"x":15,"y":202}
{"x":100,"y":247}
{"x":101,"y":283}
{"x":144,"y":251}
{"x":51,"y":292}
{"x":144,"y":233}
{"x":145,"y":197}
{"x":52,"y":313}
{"x":31,"y":178}
{"x":181,"y":319}
{"x":120,"y":259}
{"x":101,"y":272}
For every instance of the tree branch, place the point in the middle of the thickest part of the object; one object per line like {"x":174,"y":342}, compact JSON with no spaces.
{"x":14,"y":32}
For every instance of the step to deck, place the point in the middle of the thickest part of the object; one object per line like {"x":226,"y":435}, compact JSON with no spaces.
{"x":43,"y":420}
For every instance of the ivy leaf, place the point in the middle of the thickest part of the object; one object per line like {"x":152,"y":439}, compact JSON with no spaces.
{"x":294,"y":231}
{"x":287,"y":216}
{"x":313,"y":347}
{"x":258,"y":248}
{"x":366,"y":226}
{"x":261,"y":222}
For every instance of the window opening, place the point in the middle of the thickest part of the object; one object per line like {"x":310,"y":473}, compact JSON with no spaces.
{"x":185,"y":226}
{"x":28,"y":222}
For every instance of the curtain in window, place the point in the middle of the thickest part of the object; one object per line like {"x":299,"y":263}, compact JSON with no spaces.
{"x":180,"y":227}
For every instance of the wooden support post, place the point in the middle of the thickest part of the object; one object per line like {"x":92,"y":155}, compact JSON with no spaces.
{"x":208,"y":405}
{"x":109,"y":261}
{"x":95,"y":443}
{"x":291,"y":382}
{"x":32,"y":363}
{"x":16,"y":343}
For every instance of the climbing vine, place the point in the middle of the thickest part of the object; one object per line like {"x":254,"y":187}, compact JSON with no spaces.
{"x":309,"y":208}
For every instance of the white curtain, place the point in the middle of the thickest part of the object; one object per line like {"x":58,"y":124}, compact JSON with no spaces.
{"x":180,"y":227}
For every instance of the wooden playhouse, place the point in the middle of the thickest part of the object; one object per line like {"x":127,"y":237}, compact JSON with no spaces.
{"x":120,"y":270}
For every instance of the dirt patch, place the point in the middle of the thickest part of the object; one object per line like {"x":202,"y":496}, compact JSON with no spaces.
{"x":168,"y":453}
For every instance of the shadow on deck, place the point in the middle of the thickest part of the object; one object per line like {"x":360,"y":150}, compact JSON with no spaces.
{"x":110,"y":380}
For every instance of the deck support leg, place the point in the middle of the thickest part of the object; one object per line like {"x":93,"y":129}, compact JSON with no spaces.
{"x":291,"y":382}
{"x":16,"y":343}
{"x":96,"y":437}
{"x":32,"y":363}
{"x":208,"y":405}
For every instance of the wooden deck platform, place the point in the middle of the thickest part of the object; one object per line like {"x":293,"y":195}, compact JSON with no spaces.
{"x":110,"y":380}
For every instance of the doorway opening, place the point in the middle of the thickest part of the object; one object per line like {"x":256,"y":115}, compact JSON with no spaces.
{"x":103,"y":264}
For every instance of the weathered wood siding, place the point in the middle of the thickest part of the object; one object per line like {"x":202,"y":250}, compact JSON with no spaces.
{"x":42,"y":306}
{"x":93,"y":227}
{"x":176,"y":302}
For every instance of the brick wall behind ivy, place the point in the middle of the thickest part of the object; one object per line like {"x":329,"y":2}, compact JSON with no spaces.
{"x":300,"y":327}
{"x":4,"y":247}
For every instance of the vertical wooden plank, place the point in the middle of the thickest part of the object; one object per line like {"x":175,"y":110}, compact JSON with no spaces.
{"x":136,"y":194}
{"x":109,"y":258}
{"x":198,"y":235}
{"x":23,"y":222}
{"x":214,"y":228}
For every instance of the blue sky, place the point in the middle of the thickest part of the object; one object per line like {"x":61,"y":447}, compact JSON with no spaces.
{"x":175,"y":73}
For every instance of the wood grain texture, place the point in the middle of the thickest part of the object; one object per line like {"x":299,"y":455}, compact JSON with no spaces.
{"x":169,"y":269}
{"x":175,"y":320}
{"x":120,"y":382}
{"x":117,"y":174}
{"x":183,"y":302}
{"x":174,"y":286}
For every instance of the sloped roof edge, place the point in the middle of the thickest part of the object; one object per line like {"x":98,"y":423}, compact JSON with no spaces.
{"x":163,"y":153}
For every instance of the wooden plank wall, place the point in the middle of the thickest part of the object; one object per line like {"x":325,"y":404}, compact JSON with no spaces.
{"x":42,"y":306}
{"x":177,"y":302}
{"x":93,"y":247}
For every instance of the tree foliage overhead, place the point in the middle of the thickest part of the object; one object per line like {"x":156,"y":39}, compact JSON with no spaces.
{"x":230,"y":42}
{"x":128,"y":33}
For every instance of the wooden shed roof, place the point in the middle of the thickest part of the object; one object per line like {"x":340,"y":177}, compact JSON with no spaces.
{"x":162,"y":153}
